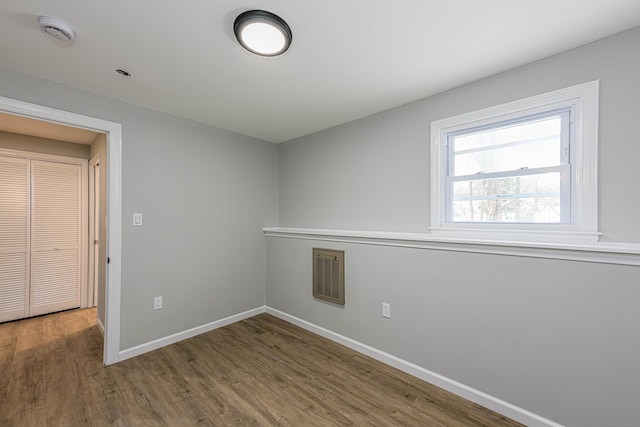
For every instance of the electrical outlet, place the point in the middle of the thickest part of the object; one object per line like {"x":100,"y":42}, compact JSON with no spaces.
{"x":157,"y":303}
{"x":386,"y":310}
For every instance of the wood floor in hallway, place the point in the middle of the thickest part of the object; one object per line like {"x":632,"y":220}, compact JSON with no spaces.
{"x":258,"y":372}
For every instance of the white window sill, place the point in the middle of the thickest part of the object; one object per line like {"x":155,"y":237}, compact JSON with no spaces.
{"x":544,"y":236}
{"x":601,"y":252}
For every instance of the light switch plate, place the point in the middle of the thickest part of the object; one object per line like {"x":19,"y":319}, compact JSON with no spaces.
{"x":386,"y":310}
{"x":137,"y":219}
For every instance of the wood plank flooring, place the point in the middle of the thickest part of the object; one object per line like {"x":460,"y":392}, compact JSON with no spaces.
{"x":258,"y":372}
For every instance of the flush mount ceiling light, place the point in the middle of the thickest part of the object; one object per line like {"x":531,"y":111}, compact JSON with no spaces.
{"x":56,"y":28}
{"x":262,"y":32}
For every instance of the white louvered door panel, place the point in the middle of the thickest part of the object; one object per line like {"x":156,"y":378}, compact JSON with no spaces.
{"x":14,"y":238}
{"x":55,"y":241}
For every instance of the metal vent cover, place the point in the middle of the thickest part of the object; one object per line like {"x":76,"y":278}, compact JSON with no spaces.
{"x":328,"y":275}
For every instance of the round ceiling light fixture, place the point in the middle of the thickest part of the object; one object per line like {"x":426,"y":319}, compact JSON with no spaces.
{"x":262,"y":32}
{"x":56,"y":28}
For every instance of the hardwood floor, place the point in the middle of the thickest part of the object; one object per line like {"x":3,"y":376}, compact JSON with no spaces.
{"x":258,"y":372}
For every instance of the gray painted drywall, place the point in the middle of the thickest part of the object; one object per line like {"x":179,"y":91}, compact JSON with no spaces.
{"x":558,"y":338}
{"x":34,"y":144}
{"x":99,"y":147}
{"x":205,"y":195}
{"x":375,"y":171}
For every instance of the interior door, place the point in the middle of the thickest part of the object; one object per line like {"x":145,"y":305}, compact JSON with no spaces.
{"x":14,"y":238}
{"x":55,"y":237}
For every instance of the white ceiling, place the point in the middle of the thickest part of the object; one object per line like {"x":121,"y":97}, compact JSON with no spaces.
{"x":348,"y":59}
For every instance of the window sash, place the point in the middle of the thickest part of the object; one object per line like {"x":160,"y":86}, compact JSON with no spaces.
{"x":564,"y":166}
{"x":565,"y":192}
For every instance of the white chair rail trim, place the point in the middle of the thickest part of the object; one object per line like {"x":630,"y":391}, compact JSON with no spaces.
{"x":601,"y":252}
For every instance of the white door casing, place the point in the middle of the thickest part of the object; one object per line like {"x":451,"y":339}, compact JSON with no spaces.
{"x":94,"y":231}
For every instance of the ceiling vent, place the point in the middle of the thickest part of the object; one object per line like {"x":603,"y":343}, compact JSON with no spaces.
{"x":56,"y":28}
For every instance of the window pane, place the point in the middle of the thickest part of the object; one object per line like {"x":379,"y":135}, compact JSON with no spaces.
{"x":530,"y":145}
{"x":527,"y":198}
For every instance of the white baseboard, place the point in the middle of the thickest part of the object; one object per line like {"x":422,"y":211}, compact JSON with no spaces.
{"x":161,"y":342}
{"x":498,"y":405}
{"x":100,"y":325}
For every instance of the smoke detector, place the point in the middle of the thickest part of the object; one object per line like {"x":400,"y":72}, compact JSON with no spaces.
{"x":56,"y":28}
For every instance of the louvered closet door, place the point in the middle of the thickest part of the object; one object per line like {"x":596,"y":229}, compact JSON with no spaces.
{"x":55,"y":240}
{"x":14,"y":238}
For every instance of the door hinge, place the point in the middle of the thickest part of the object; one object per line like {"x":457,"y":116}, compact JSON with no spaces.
{"x":108,"y":260}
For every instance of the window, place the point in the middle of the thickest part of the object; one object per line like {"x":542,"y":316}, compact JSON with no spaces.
{"x":521,"y":171}
{"x":513,"y":172}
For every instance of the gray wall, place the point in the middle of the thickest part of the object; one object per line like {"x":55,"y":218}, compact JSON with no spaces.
{"x":99,"y":147}
{"x":558,"y":338}
{"x":205,"y":195}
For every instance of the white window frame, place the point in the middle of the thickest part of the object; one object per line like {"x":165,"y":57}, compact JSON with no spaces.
{"x":582,"y":226}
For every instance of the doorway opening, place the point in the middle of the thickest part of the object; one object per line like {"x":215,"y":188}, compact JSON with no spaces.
{"x":43,"y":223}
{"x":113,"y":222}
